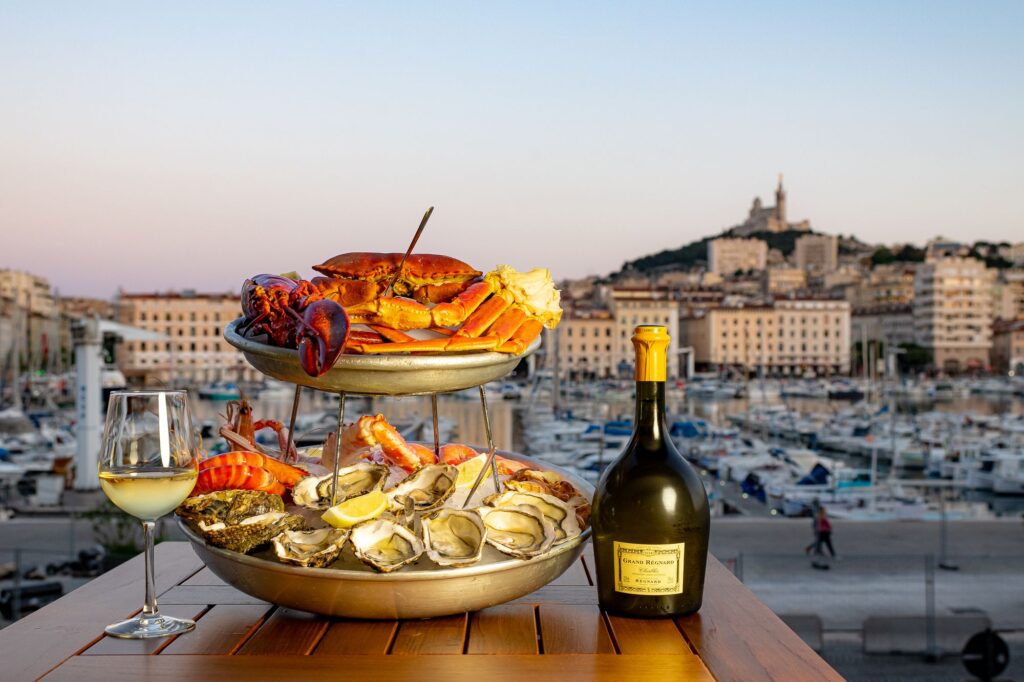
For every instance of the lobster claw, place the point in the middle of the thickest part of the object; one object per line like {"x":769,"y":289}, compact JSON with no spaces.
{"x":322,"y":336}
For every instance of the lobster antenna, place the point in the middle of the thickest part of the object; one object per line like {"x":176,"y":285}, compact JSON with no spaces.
{"x":412,"y":245}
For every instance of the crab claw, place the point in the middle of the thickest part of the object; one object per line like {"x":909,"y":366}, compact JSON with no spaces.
{"x":322,"y":336}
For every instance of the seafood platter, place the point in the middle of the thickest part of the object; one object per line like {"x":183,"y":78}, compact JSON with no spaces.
{"x":440,"y":325}
{"x":370,"y":525}
{"x":399,"y":533}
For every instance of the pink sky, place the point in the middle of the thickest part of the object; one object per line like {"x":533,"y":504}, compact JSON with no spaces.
{"x":146,"y":149}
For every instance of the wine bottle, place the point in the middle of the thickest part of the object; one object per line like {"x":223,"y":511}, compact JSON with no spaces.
{"x":650,"y":514}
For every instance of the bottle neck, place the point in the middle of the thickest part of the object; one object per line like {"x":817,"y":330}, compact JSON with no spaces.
{"x":650,"y":414}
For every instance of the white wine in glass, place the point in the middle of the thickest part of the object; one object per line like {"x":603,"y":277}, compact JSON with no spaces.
{"x":148,"y":466}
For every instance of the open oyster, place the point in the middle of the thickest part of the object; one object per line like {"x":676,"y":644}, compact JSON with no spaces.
{"x":519,"y":530}
{"x":228,"y":506}
{"x":561,"y":515}
{"x":385,"y":544}
{"x":428,"y":487}
{"x":310,"y":548}
{"x":454,"y":537}
{"x":314,"y":492}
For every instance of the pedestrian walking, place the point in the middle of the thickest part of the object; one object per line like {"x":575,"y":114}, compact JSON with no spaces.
{"x":823,"y":526}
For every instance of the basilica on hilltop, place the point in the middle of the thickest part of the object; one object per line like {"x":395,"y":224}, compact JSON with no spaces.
{"x":769,"y":218}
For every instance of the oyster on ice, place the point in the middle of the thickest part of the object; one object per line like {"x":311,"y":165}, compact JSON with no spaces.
{"x":454,"y":537}
{"x":250,"y":533}
{"x":385,"y":544}
{"x":314,"y":492}
{"x":560,"y":514}
{"x":428,"y":487}
{"x":239,"y":520}
{"x":310,"y":548}
{"x":228,"y":506}
{"x":519,"y":530}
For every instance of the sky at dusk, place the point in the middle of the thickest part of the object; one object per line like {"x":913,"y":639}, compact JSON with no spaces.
{"x":187,"y":145}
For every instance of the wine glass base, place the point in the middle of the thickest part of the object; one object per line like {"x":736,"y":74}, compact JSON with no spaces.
{"x":146,"y":627}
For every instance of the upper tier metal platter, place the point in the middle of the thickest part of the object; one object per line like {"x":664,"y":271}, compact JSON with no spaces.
{"x":380,"y":374}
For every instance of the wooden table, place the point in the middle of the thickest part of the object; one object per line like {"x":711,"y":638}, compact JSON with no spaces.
{"x":557,"y":632}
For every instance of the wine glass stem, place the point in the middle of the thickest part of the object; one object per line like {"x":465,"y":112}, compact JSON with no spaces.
{"x":149,"y":609}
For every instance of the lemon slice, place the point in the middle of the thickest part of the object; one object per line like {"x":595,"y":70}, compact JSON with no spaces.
{"x":362,"y":508}
{"x":469,"y":470}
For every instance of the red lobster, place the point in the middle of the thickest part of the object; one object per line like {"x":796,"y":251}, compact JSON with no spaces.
{"x":294,"y":314}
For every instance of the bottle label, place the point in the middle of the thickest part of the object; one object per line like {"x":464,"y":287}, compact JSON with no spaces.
{"x":648,"y":569}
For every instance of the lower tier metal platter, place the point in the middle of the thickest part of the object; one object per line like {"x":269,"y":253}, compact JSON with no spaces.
{"x":380,"y":374}
{"x":351,"y":589}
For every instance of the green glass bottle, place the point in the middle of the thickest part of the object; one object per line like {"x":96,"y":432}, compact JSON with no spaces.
{"x":650,"y":515}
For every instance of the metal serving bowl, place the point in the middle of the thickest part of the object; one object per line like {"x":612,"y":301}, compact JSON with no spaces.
{"x":380,"y":374}
{"x":422,"y":590}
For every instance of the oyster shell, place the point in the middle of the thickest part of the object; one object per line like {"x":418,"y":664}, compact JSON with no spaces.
{"x":314,"y":492}
{"x":428,"y":487}
{"x":310,"y":548}
{"x":454,"y":537}
{"x":519,"y":530}
{"x":560,"y":514}
{"x":251,"y":532}
{"x":385,"y":545}
{"x":228,"y":506}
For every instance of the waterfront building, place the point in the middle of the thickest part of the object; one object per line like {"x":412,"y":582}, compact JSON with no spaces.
{"x":1009,"y":294}
{"x":817,"y":252}
{"x":632,"y":307}
{"x":893,"y":325}
{"x":30,"y":321}
{"x":585,"y":339}
{"x":787,"y":337}
{"x":196,"y":352}
{"x":1013,"y":253}
{"x":953,"y":311}
{"x":769,"y":218}
{"x":784,"y":280}
{"x":1008,"y":346}
{"x":727,"y":255}
{"x":886,"y":285}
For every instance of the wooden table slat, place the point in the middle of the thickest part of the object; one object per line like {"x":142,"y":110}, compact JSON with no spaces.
{"x":286,"y":632}
{"x":220,"y":630}
{"x":380,"y":668}
{"x":574,"y":576}
{"x":434,"y":636}
{"x":647,"y":636}
{"x":142,"y":647}
{"x":560,"y":594}
{"x":357,"y":637}
{"x":204,"y":577}
{"x":505,"y":629}
{"x":566,"y":629}
{"x":739,"y":638}
{"x":207,"y":594}
{"x":41,"y":640}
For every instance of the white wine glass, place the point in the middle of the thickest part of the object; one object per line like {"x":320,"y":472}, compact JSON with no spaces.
{"x":148,"y":466}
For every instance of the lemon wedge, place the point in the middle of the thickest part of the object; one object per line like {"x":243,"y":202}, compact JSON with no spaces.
{"x":362,"y":508}
{"x":469,"y":470}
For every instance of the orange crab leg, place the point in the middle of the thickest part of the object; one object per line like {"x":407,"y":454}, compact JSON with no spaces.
{"x":396,"y":449}
{"x":443,"y":331}
{"x":463,"y":343}
{"x":485,"y":316}
{"x":425,"y":454}
{"x":394,"y":312}
{"x":456,"y":343}
{"x":523,"y":337}
{"x":507,"y":324}
{"x":390,"y":334}
{"x":462,"y":306}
